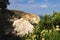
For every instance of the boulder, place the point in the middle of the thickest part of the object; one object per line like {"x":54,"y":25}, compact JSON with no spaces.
{"x":22,"y":26}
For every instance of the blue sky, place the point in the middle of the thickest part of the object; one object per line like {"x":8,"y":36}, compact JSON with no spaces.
{"x":39,"y":7}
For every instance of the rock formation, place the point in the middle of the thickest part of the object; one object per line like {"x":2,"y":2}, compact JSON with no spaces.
{"x":32,"y":18}
{"x":20,"y":20}
{"x":22,"y":26}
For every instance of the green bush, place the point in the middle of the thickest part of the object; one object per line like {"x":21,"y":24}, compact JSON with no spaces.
{"x":53,"y":35}
{"x":45,"y":29}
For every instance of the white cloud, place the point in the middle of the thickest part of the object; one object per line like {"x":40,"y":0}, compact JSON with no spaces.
{"x":44,"y":6}
{"x":31,"y":1}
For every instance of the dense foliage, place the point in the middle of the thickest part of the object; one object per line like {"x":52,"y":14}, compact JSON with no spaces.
{"x":46,"y":29}
{"x":4,"y":3}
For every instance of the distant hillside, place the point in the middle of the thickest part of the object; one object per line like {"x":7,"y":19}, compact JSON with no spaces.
{"x":41,"y":16}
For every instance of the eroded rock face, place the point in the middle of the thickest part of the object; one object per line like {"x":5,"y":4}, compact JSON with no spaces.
{"x":22,"y":26}
{"x":33,"y":18}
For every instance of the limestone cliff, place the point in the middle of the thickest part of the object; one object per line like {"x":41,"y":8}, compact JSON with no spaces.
{"x":10,"y":16}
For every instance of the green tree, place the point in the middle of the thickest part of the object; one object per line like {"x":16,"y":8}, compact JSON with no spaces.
{"x":3,"y":4}
{"x":56,"y":18}
{"x":47,"y":21}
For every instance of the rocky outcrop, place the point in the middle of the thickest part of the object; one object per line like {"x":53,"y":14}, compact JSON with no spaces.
{"x":33,"y":18}
{"x":20,"y":21}
{"x":22,"y":26}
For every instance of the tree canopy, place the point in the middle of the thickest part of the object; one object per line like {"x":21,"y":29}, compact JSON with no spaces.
{"x":3,"y":4}
{"x":56,"y":18}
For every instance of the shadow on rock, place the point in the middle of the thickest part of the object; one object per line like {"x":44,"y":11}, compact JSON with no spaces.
{"x":6,"y":26}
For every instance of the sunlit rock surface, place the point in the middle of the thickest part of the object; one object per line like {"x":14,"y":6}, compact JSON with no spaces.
{"x":33,"y":18}
{"x":22,"y":26}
